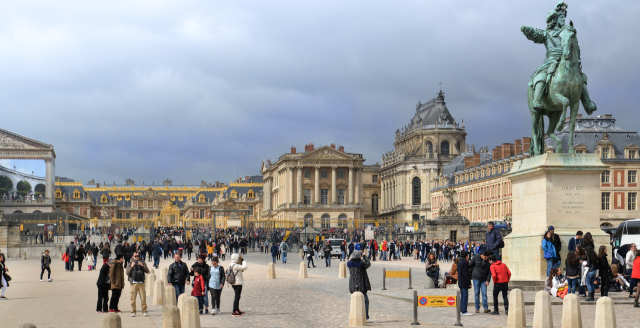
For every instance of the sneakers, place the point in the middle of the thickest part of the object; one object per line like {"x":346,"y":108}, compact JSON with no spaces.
{"x":50,"y":280}
{"x":467,"y":313}
{"x":495,"y":313}
{"x":112,"y":311}
{"x":218,"y":311}
{"x":236,"y":314}
{"x":117,"y":311}
{"x":133,"y":314}
{"x":41,"y":280}
{"x":145,"y":314}
{"x":99,"y":312}
{"x":477,"y":311}
{"x":206,"y":311}
{"x":370,"y":320}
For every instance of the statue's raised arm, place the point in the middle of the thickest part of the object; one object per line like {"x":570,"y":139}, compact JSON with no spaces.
{"x":534,"y":34}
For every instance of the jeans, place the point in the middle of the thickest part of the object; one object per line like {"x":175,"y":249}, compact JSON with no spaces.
{"x":327,"y":260}
{"x":206,"y":298}
{"x":343,"y":255}
{"x":179,"y":290}
{"x":273,"y":258}
{"x":480,"y":287}
{"x":573,"y":285}
{"x":284,"y":257}
{"x":497,"y":288}
{"x":497,"y":254}
{"x":143,"y":256}
{"x":200,"y":302}
{"x":71,"y":265}
{"x":310,"y":261}
{"x":552,"y":264}
{"x":464,"y":299}
{"x":366,"y":304}
{"x":48,"y":272}
{"x":156,"y":260}
{"x":215,"y":298}
{"x":237,"y":289}
{"x":591,"y":276}
{"x":435,"y":276}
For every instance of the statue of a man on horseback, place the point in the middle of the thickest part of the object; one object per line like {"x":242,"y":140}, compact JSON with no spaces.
{"x":559,"y":83}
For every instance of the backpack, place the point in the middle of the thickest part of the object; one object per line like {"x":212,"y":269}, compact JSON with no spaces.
{"x":230,"y":276}
{"x":137,"y":273}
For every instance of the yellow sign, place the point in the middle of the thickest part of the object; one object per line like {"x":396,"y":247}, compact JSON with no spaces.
{"x":377,"y":224}
{"x":415,"y":226}
{"x":436,"y":301}
{"x":317,"y":239}
{"x":396,"y":274}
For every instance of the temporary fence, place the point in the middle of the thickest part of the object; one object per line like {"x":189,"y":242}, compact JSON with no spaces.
{"x":394,"y":274}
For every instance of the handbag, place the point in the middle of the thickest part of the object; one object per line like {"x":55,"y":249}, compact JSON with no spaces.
{"x":7,"y":277}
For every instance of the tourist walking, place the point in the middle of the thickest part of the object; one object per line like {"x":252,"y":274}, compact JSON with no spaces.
{"x":310,"y":257}
{"x":591,"y":266}
{"x":204,"y":272}
{"x":284,"y":248}
{"x":433,"y":268}
{"x":501,"y":276}
{"x":104,"y":284}
{"x":45,"y":261}
{"x":178,"y":275}
{"x":215,"y":284}
{"x":464,"y":281}
{"x":327,"y":255}
{"x":116,"y":275}
{"x":494,"y":240}
{"x":238,"y":265}
{"x":481,"y":276}
{"x":80,"y":257}
{"x":4,"y":277}
{"x":71,"y":253}
{"x":156,"y":251}
{"x":199,"y":290}
{"x":274,"y":252}
{"x":629,"y":264}
{"x":136,"y":273}
{"x":359,"y":279}
{"x":106,"y":253}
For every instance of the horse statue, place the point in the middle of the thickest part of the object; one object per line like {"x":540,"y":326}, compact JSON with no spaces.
{"x":558,"y":84}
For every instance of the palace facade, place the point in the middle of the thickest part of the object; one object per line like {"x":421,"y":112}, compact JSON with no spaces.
{"x":484,"y":194}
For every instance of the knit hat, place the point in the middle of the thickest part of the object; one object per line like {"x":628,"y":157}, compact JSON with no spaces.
{"x":356,"y":255}
{"x":551,"y":228}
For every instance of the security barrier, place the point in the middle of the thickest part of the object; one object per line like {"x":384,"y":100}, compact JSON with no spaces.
{"x":394,"y":274}
{"x":436,"y":301}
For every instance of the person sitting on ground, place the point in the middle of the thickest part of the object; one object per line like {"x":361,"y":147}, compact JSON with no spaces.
{"x":618,"y":277}
{"x":556,"y":283}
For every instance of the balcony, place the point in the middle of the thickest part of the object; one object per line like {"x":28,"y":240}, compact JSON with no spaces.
{"x":18,"y":202}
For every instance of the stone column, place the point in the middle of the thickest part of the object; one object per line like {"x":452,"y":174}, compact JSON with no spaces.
{"x":357,"y":185}
{"x":351,"y":185}
{"x":50,"y":178}
{"x":317,"y":186}
{"x":334,"y":192}
{"x":299,"y":200}
{"x":290,"y":200}
{"x":267,"y":195}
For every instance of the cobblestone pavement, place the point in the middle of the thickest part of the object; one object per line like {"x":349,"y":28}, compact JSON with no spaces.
{"x":320,"y":301}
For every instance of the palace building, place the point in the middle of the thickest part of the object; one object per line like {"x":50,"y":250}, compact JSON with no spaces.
{"x":484,"y":194}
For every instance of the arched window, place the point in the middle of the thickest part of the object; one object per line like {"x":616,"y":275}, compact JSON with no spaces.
{"x":342,"y":220}
{"x":40,"y":190}
{"x":308,"y":220}
{"x":374,"y":202}
{"x":458,"y":146}
{"x":103,"y":199}
{"x":140,"y":215}
{"x":76,"y":193}
{"x":444,"y":148}
{"x":416,"y":191}
{"x":428,"y":147}
{"x":58,"y":193}
{"x":326,"y":221}
{"x":250,"y":193}
{"x":201,"y":199}
{"x":234,"y":194}
{"x":415,"y":217}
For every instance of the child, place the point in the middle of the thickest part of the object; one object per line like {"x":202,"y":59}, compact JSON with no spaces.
{"x":199,"y":290}
{"x":556,"y":283}
{"x":501,"y":276}
{"x":90,"y":256}
{"x":45,"y":261}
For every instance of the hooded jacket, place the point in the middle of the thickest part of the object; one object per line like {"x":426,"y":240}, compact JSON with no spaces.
{"x":500,"y":273}
{"x":238,"y":268}
{"x":358,"y":276}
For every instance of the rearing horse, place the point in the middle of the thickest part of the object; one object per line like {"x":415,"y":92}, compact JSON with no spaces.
{"x":563,"y":90}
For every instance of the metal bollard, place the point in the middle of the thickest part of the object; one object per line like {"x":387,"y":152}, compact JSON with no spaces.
{"x":384,"y":277}
{"x":410,"y":278}
{"x":415,"y":309}
{"x":458,"y":323}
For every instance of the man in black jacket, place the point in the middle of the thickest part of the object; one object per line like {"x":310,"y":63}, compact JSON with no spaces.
{"x":71,"y":252}
{"x":464,"y":281}
{"x":358,"y":277}
{"x":177,"y":275}
{"x":481,"y":276}
{"x":557,"y":243}
{"x":156,"y":250}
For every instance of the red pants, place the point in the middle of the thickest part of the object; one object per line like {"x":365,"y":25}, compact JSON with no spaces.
{"x":104,"y":261}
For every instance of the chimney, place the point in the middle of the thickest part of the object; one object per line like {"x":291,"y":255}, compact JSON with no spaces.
{"x":333,"y":146}
{"x":507,"y":150}
{"x":98,"y":185}
{"x":341,"y":148}
{"x":246,"y":178}
{"x":468,"y":162}
{"x":526,"y":144}
{"x":518,"y":146}
{"x":497,"y":152}
{"x":311,"y":146}
{"x":293,"y":150}
{"x":476,"y":159}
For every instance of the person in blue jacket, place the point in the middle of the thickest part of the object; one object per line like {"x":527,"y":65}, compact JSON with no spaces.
{"x":493,"y":240}
{"x":549,"y":252}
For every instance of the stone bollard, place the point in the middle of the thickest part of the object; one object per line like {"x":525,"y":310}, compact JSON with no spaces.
{"x":28,"y":325}
{"x":158,"y":293}
{"x":342,"y":271}
{"x":151,"y":282}
{"x":112,"y":320}
{"x":605,"y":313}
{"x":169,"y":296}
{"x":303,"y":271}
{"x":516,"y":318}
{"x":181,"y":300}
{"x":429,"y":283}
{"x":24,"y":255}
{"x":190,"y":313}
{"x":301,"y":254}
{"x":571,"y":315}
{"x":357,"y":312}
{"x":542,"y":316}
{"x":271,"y":271}
{"x":165,"y":272}
{"x":171,"y":317}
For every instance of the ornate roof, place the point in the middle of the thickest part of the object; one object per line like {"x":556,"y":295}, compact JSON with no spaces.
{"x":430,"y":115}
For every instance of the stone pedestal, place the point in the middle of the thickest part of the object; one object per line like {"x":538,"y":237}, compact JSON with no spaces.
{"x":112,"y":320}
{"x":560,"y":190}
{"x":605,"y":313}
{"x":303,"y":271}
{"x":517,"y":317}
{"x":542,"y":315}
{"x":169,"y":296}
{"x":571,"y":314}
{"x":342,"y":270}
{"x":357,"y":311}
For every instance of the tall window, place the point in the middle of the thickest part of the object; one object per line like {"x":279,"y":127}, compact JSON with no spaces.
{"x":202,"y":214}
{"x":342,"y":221}
{"x":632,"y":154}
{"x":140,"y":215}
{"x":323,"y":173}
{"x":632,"y":176}
{"x":76,"y":210}
{"x":324,"y":195}
{"x":374,"y":178}
{"x":341,"y":196}
{"x":119,"y":215}
{"x":307,"y":196}
{"x":605,"y":177}
{"x":631,"y":201}
{"x":307,"y":173}
{"x":605,"y":153}
{"x":326,"y":221}
{"x":250,"y":209}
{"x":444,"y":148}
{"x":340,"y":173}
{"x":605,"y":200}
{"x":416,"y":191}
{"x":127,"y":216}
{"x":374,"y":203}
{"x":429,"y":147}
{"x":415,"y":217}
{"x":308,"y":220}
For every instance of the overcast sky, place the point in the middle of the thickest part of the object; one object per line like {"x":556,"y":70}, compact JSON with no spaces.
{"x":200,"y":90}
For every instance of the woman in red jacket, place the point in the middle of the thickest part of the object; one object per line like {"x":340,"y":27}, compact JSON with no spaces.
{"x":635,"y":274}
{"x":501,"y":276}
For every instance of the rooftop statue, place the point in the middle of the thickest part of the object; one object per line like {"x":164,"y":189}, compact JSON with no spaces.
{"x":559,"y":83}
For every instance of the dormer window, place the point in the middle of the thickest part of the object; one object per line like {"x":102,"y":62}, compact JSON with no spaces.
{"x":604,"y":153}
{"x":250,"y":193}
{"x":58,"y":193}
{"x":201,"y":199}
{"x":76,"y":193}
{"x":103,"y":199}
